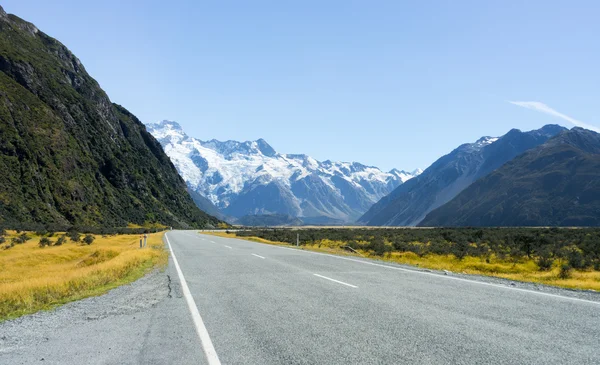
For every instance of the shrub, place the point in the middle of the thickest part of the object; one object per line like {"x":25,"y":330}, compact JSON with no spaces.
{"x":74,"y":236}
{"x":544,"y":262}
{"x":45,"y":241}
{"x":378,"y":246}
{"x":24,"y":237}
{"x":2,"y":239}
{"x":41,"y":233}
{"x":62,"y":239}
{"x":565,"y":271}
{"x":574,"y":256}
{"x":460,"y":249}
{"x":19,"y":240}
{"x":418,"y":249}
{"x":88,"y":239}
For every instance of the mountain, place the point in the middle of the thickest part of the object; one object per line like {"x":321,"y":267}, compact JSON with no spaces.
{"x":251,"y":178}
{"x":555,"y":184}
{"x":408,"y":204}
{"x":68,"y":155}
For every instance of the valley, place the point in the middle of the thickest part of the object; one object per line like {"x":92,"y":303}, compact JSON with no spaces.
{"x":129,"y":241}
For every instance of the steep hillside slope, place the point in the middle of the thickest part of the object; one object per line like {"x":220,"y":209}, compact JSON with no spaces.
{"x":67,"y":154}
{"x":555,"y":184}
{"x":251,"y":178}
{"x":448,"y":176}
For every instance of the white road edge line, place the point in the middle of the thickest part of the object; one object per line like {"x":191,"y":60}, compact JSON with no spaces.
{"x":336,"y":281}
{"x":257,"y":255}
{"x":432,"y":274}
{"x":207,"y":345}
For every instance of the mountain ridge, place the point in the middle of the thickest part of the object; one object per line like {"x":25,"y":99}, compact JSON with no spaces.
{"x":246,"y":178}
{"x":554,"y":184}
{"x":70,"y":156}
{"x":408,"y":204}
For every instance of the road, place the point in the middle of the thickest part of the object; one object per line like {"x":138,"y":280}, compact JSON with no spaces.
{"x":264,"y":304}
{"x":243,"y":302}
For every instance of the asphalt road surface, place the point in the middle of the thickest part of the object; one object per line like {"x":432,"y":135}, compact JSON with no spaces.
{"x":248,"y":303}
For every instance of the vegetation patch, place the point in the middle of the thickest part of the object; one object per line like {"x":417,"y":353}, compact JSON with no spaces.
{"x":35,"y":276}
{"x":565,"y":257}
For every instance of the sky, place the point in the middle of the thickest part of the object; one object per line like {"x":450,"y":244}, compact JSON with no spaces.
{"x":393,"y":84}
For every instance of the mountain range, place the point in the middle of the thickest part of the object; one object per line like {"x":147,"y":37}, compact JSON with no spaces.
{"x":554,"y":184}
{"x":408,"y":204}
{"x":68,"y":155}
{"x":251,"y":178}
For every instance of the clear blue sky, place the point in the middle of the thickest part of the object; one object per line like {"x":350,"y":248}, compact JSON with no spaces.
{"x":386,"y":83}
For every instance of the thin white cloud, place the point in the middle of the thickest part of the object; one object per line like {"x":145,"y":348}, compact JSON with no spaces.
{"x":541,"y":107}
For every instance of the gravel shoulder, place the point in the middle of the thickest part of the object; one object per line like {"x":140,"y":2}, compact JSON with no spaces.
{"x":132,"y":324}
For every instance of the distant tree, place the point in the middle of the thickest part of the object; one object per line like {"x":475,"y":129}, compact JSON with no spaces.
{"x":24,"y":237}
{"x":45,"y":241}
{"x":88,"y":239}
{"x":74,"y":236}
{"x":62,"y":239}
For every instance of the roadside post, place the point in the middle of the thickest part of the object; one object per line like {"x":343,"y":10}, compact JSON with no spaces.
{"x":145,"y":239}
{"x":141,"y":241}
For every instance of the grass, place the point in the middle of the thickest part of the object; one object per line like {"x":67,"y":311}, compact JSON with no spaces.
{"x":34,"y":278}
{"x":525,"y":270}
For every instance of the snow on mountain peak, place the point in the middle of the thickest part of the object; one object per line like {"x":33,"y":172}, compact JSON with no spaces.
{"x":233,"y":174}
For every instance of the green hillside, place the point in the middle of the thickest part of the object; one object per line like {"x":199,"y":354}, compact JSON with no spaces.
{"x":68,"y":155}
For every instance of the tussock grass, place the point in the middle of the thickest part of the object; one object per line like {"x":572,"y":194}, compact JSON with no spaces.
{"x":525,"y":270}
{"x":34,"y":278}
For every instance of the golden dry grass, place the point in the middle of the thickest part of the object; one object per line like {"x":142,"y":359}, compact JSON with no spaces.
{"x":34,"y":278}
{"x":524,"y":270}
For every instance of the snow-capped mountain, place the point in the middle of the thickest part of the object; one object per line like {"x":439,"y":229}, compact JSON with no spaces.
{"x":247,"y":178}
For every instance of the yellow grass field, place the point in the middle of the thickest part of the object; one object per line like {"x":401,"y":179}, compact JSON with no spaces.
{"x":524,"y":270}
{"x":34,"y":278}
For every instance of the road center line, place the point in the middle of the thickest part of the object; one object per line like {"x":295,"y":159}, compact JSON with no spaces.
{"x":227,"y":246}
{"x":257,"y":256}
{"x":336,"y":281}
{"x":205,"y":341}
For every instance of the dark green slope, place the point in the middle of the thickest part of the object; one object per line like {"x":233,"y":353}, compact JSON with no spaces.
{"x":68,"y":156}
{"x":554,"y":184}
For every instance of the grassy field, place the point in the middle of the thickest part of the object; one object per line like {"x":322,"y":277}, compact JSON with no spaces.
{"x":33,"y":278}
{"x":522,"y":270}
